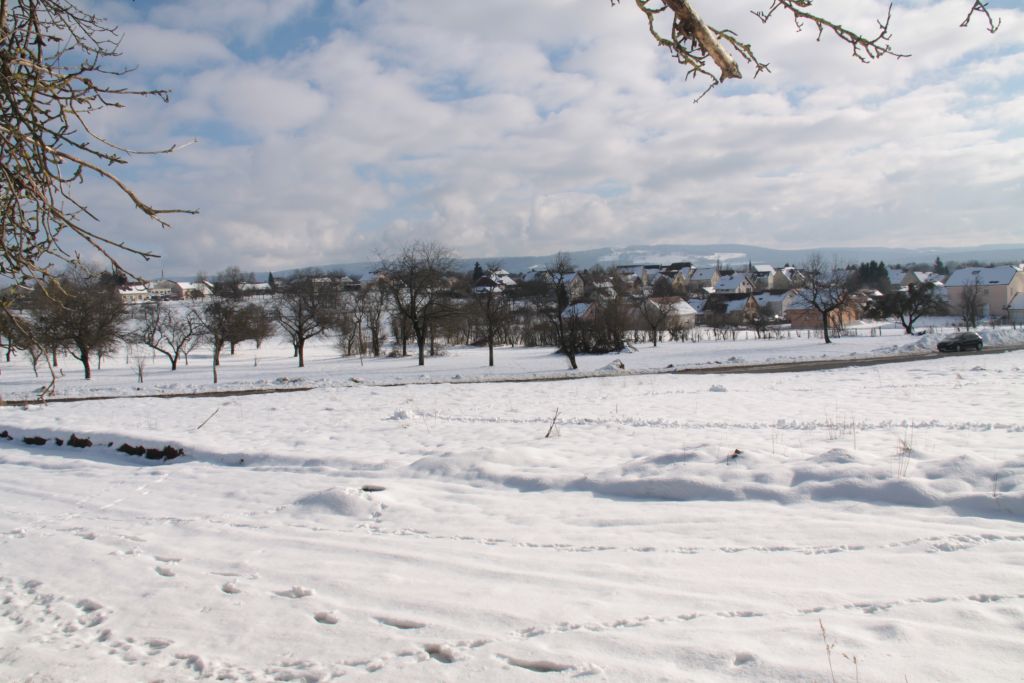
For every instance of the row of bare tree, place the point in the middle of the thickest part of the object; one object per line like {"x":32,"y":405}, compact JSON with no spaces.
{"x":416,"y":297}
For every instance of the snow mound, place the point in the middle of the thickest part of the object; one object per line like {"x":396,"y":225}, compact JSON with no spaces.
{"x":340,"y":501}
{"x":1001,"y":336}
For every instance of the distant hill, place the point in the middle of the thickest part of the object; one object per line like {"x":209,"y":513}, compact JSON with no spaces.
{"x":727,"y":254}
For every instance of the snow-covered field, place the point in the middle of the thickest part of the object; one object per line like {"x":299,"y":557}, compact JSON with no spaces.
{"x":413,"y":524}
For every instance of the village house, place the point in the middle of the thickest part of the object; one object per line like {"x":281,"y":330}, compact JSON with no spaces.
{"x":134,"y":294}
{"x":803,"y":316}
{"x":734,"y":283}
{"x":703,"y":278}
{"x":996,"y":286}
{"x":1015,"y":311}
{"x":196,"y":290}
{"x":164,"y":290}
{"x":583,"y":311}
{"x":496,"y":281}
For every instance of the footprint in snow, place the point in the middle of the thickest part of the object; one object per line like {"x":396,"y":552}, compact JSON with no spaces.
{"x":441,"y":653}
{"x":230,"y":587}
{"x":87,"y":605}
{"x":326,"y":618}
{"x":164,"y":571}
{"x":157,"y":645}
{"x":295,"y":592}
{"x":404,"y":624}
{"x":541,"y":666}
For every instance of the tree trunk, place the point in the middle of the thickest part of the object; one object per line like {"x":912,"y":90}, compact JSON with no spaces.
{"x":301,"y":349}
{"x":421,"y":342}
{"x":824,"y":326}
{"x":490,"y":351}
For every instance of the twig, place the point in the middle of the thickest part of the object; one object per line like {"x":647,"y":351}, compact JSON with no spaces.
{"x":828,"y":650}
{"x":552,"y":427}
{"x":207,"y":420}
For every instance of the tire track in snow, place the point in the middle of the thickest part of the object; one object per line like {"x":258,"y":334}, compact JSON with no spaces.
{"x":666,"y":423}
{"x":867,"y":607}
{"x":951,"y":543}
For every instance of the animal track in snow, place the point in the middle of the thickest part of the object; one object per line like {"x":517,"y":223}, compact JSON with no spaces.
{"x":404,"y":624}
{"x":744,"y":658}
{"x":541,"y":666}
{"x":91,"y":614}
{"x":441,"y":653}
{"x":157,"y":645}
{"x":230,"y":587}
{"x":295,"y":592}
{"x":326,"y":618}
{"x":193,"y":662}
{"x":163,"y":569}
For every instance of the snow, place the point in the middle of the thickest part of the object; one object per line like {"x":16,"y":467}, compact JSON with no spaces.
{"x":452,"y":522}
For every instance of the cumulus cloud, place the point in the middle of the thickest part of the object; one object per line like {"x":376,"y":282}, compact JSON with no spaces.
{"x":158,"y":47}
{"x":251,"y":99}
{"x":530,"y":126}
{"x":247,"y":20}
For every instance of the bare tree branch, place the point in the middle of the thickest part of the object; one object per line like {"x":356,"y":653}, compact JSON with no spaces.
{"x":54,"y":73}
{"x":702,"y":47}
{"x":982,"y":8}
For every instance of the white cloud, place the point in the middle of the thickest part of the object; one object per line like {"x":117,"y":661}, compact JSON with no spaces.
{"x":157,"y":47}
{"x":249,"y":20}
{"x":249,"y":98}
{"x":525,"y":126}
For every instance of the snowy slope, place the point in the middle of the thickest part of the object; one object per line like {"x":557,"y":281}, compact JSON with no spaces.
{"x":671,"y":527}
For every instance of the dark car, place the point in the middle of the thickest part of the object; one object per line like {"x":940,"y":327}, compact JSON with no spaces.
{"x":961,"y":342}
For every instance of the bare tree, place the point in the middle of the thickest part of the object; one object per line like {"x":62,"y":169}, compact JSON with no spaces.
{"x":81,"y":311}
{"x":307,"y":305}
{"x":230,"y":283}
{"x":606,"y":332}
{"x":492,"y":311}
{"x":565,"y":321}
{"x":655,"y":313}
{"x":370,"y":305}
{"x":56,"y":72}
{"x":826,"y":289}
{"x":703,"y":48}
{"x":971,"y":303}
{"x":415,"y":281}
{"x":216,"y":319}
{"x":910,"y":304}
{"x":260,"y":323}
{"x":166,"y":331}
{"x":16,"y":329}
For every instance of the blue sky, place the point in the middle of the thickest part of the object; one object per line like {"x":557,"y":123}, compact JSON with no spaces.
{"x":334,"y":130}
